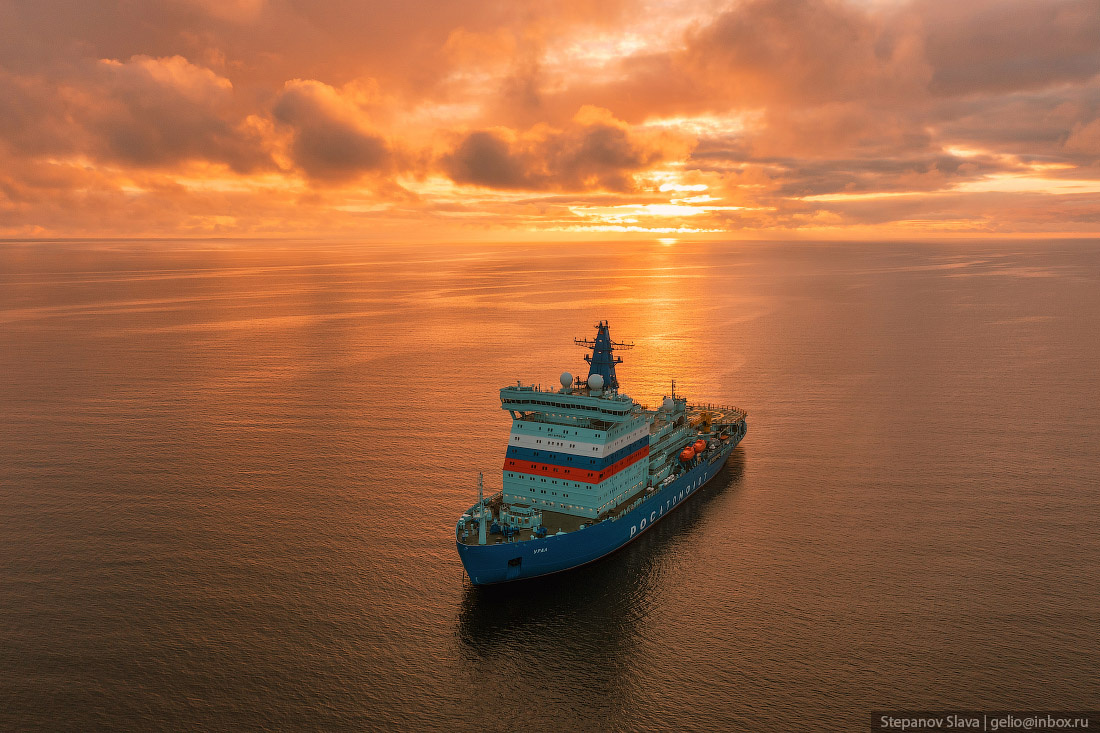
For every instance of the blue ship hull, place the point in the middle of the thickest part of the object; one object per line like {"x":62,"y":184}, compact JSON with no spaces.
{"x":508,"y":561}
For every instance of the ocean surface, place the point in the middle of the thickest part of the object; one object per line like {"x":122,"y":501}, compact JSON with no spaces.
{"x":230,"y":473}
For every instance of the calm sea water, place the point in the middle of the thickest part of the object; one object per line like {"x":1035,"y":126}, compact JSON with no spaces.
{"x":229,"y":475}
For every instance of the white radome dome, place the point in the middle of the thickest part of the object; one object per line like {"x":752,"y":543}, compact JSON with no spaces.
{"x":566,"y":379}
{"x":668,"y":404}
{"x":595,"y":381}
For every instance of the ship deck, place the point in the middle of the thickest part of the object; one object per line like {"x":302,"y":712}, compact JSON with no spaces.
{"x":699,"y":414}
{"x":553,"y":521}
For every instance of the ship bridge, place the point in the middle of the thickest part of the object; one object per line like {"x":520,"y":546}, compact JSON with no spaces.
{"x":533,"y":402}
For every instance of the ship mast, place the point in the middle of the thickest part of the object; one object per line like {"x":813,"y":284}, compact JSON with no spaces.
{"x":602,"y":360}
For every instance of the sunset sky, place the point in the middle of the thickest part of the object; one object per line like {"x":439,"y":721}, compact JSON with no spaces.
{"x":558,"y":118}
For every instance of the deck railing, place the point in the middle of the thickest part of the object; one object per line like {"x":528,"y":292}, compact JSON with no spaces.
{"x":710,"y":407}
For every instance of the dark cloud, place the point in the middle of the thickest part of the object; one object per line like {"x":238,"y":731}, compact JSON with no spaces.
{"x":1085,"y":140}
{"x":1028,"y":123}
{"x":989,"y":211}
{"x":330,"y":137}
{"x":934,"y":173}
{"x":153,"y":112}
{"x":996,"y":46}
{"x":803,"y":51}
{"x":486,"y":159}
{"x":144,"y":112}
{"x":596,"y":152}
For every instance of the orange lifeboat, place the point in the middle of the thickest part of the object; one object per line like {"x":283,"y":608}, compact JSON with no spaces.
{"x":687,"y":454}
{"x":700,"y":445}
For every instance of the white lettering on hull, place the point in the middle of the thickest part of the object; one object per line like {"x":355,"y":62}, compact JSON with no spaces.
{"x":668,"y":505}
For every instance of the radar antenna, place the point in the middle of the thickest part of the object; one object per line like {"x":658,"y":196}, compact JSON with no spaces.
{"x":603,"y":359}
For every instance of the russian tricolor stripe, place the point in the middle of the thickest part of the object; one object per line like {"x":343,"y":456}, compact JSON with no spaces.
{"x":579,"y":474}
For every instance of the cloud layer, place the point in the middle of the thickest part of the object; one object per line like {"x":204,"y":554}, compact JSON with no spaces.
{"x":594,"y":152}
{"x":765,"y":117}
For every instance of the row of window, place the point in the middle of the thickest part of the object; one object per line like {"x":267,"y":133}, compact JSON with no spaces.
{"x":566,"y":406}
{"x":597,"y":435}
{"x":556,"y":469}
{"x":553,"y":481}
{"x":558,"y":442}
{"x":610,"y":433}
{"x":550,"y":430}
{"x":566,"y":496}
{"x":569,"y":457}
{"x":567,"y":470}
{"x":551,"y":454}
